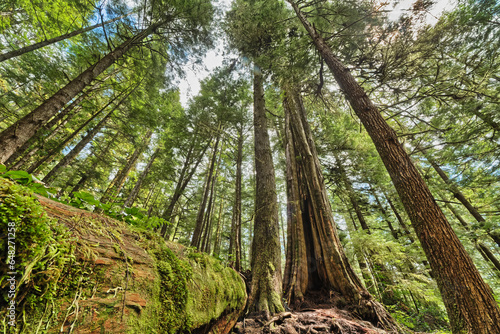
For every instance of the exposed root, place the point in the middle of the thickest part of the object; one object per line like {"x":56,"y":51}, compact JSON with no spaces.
{"x":309,"y":321}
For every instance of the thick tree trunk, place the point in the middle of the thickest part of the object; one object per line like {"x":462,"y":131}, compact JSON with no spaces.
{"x":468,"y":299}
{"x":235,"y":238}
{"x":39,"y":45}
{"x":12,"y":138}
{"x":265,"y":291}
{"x":135,"y":191}
{"x":317,"y":257}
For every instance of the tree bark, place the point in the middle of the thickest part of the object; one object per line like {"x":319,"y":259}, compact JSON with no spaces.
{"x":468,"y":299}
{"x":39,"y":45}
{"x":266,"y":287}
{"x":12,"y":138}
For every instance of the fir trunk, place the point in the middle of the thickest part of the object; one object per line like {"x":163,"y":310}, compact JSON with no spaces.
{"x":116,"y":185}
{"x":182,"y":184}
{"x":135,"y":191}
{"x":200,"y":218}
{"x":461,"y":198}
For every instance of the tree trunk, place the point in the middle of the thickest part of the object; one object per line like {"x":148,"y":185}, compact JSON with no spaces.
{"x":12,"y":138}
{"x":200,"y":227}
{"x":182,"y":184}
{"x":235,"y":238}
{"x":220,"y":227}
{"x":135,"y":191}
{"x":39,"y":45}
{"x":50,"y":176}
{"x":116,"y":185}
{"x":83,"y":142}
{"x":265,"y":291}
{"x":69,"y":111}
{"x":400,"y":219}
{"x":468,"y":300}
{"x":386,"y":217}
{"x":317,"y":257}
{"x":460,"y":197}
{"x":487,"y":255}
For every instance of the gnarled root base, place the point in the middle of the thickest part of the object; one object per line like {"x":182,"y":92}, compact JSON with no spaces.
{"x":309,"y":321}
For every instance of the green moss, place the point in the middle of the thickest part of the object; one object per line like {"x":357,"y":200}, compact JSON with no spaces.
{"x":174,"y":275}
{"x":42,"y":249}
{"x":214,"y":290}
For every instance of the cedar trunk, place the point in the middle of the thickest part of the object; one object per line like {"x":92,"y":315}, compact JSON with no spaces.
{"x":468,"y":299}
{"x":316,"y":260}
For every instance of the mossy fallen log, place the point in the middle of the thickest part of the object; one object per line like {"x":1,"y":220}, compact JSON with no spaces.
{"x":76,"y":271}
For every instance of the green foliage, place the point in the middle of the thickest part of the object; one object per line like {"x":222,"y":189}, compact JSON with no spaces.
{"x":27,"y":180}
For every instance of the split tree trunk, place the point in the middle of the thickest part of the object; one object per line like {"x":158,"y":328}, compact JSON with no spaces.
{"x":116,"y":185}
{"x":468,"y":299}
{"x":200,"y":218}
{"x":184,"y":178}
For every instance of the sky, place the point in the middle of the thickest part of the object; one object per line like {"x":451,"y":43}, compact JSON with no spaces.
{"x":189,"y":86}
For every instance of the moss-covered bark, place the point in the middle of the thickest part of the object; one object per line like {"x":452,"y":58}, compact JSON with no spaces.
{"x":86,"y":273}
